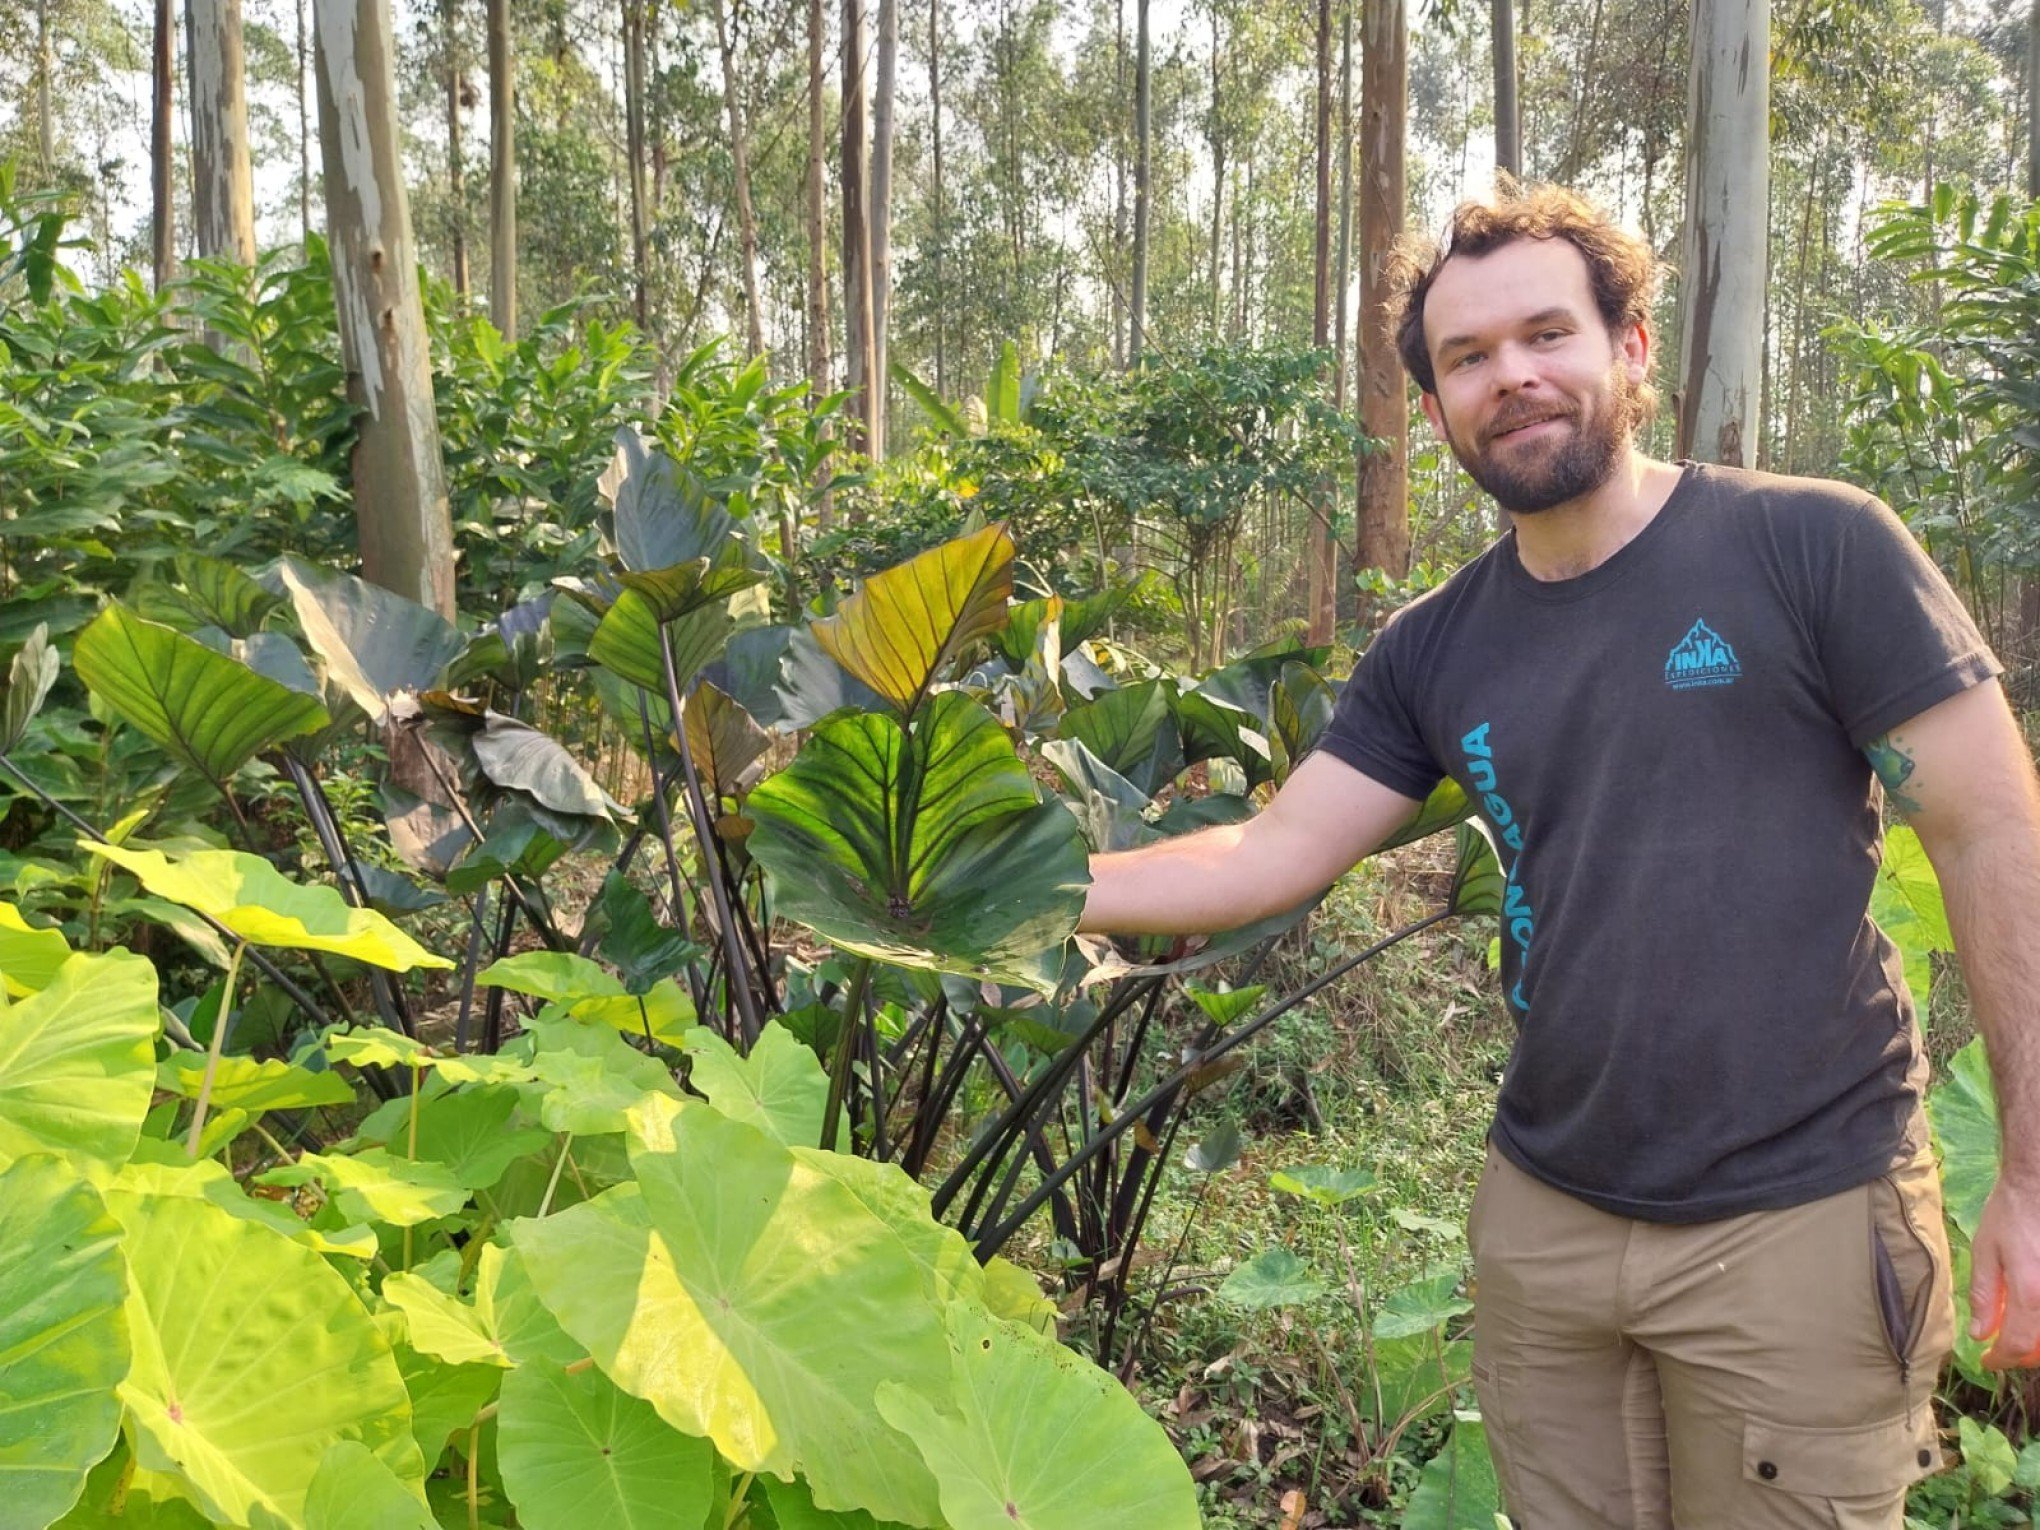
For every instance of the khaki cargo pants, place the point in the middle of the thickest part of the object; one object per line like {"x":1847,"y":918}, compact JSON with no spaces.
{"x":1759,"y":1372}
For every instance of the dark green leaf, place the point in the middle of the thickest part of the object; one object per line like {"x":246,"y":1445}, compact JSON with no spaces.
{"x":376,"y":644}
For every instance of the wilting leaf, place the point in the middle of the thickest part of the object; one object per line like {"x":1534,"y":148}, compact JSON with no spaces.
{"x":30,"y":674}
{"x":724,"y":740}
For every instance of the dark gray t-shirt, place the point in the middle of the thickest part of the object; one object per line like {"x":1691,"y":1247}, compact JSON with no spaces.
{"x":1669,"y":750}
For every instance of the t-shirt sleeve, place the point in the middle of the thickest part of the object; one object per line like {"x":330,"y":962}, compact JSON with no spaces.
{"x":1894,"y":637}
{"x":1373,"y":728}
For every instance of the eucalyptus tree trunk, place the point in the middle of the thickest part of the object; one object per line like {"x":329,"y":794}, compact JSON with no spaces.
{"x":502,"y":173}
{"x":1508,"y":115}
{"x":1342,"y":272}
{"x":304,"y":128}
{"x":859,"y":360}
{"x":881,"y":211}
{"x":634,"y":152}
{"x":163,"y":216}
{"x":1383,"y":477}
{"x":747,"y":221}
{"x":1119,"y":177}
{"x":817,"y":247}
{"x":2029,"y":594}
{"x":222,"y":181}
{"x":398,"y":479}
{"x":1143,"y":92}
{"x":941,"y":212}
{"x":456,"y":173}
{"x":1323,"y":554}
{"x":1217,"y":175}
{"x":1727,"y":233}
{"x":45,"y":66}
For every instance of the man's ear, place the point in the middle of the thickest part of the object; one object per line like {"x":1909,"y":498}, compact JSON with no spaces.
{"x":1436,"y":416}
{"x":1636,"y":348}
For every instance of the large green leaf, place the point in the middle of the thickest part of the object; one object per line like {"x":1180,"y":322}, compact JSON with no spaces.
{"x":1131,"y":732}
{"x":1907,"y":904}
{"x":626,"y":642}
{"x":505,"y":1325}
{"x":793,"y":1508}
{"x":517,"y":757}
{"x":1272,"y":1278}
{"x":374,"y":1186}
{"x":252,"y":1357}
{"x":663,"y":513}
{"x":1300,"y":708}
{"x":753,"y":1300}
{"x":901,"y":629}
{"x":593,"y":1077}
{"x":469,"y":1134}
{"x":1965,"y":1116}
{"x":576,"y":1452}
{"x":209,"y":592}
{"x":684,"y":587}
{"x":254,"y":1086}
{"x":1478,"y":883}
{"x":1458,"y":1490}
{"x":1039,"y":1439}
{"x":928,"y":848}
{"x":376,"y":643}
{"x":76,"y":1061}
{"x":29,"y":957}
{"x":210,"y":712}
{"x":265,"y":908}
{"x":354,"y":1489}
{"x":779,"y":1087}
{"x":30,"y":674}
{"x":724,"y":740}
{"x":164,"y":1168}
{"x":1446,"y":806}
{"x":63,"y":1337}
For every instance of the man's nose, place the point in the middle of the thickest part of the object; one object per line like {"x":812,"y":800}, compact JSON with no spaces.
{"x":1515,"y":369}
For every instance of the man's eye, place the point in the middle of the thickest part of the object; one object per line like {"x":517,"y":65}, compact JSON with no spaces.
{"x":1552,"y":334}
{"x":1464,"y":359}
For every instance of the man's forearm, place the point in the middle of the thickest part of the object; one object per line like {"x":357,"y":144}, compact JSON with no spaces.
{"x":1198,"y":884}
{"x":1992,"y":890}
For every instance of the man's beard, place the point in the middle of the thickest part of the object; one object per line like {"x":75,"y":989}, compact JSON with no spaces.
{"x":1557,"y":473}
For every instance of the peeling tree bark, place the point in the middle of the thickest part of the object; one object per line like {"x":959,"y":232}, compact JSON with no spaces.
{"x":880,"y":213}
{"x":1323,"y":557}
{"x":1384,"y":530}
{"x":857,"y":289}
{"x":1508,"y":115}
{"x":456,"y":169}
{"x":399,"y":480}
{"x":222,"y":180}
{"x":1728,"y":181}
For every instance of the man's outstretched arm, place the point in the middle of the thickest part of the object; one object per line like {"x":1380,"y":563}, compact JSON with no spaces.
{"x":1326,"y":816}
{"x":1961,"y":774}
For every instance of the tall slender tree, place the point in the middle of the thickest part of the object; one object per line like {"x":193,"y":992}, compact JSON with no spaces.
{"x":859,"y":359}
{"x":304,"y":125}
{"x":882,"y":117}
{"x":163,"y":219}
{"x":222,"y":177}
{"x":1728,"y":177}
{"x":45,"y":67}
{"x":456,"y":170}
{"x":940,"y":232}
{"x":817,"y":241}
{"x":1323,"y":555}
{"x":502,"y":173}
{"x":1508,"y":113}
{"x":1384,"y":520}
{"x":1143,"y":174}
{"x":634,"y":153}
{"x":399,"y":480}
{"x":740,"y":164}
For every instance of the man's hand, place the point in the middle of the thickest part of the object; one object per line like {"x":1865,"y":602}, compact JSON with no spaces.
{"x":2004,"y":1276}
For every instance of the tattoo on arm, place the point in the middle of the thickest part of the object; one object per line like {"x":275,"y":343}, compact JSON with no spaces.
{"x":1894,"y":766}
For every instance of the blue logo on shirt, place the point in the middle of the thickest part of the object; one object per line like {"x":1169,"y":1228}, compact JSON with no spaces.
{"x":1701,"y":657}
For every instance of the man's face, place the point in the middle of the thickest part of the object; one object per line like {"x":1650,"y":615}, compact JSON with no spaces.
{"x":1534,"y":396}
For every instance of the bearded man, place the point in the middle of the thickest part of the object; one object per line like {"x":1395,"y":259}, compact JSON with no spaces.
{"x":1712,"y":1282}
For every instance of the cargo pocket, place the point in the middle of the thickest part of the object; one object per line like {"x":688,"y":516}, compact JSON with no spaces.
{"x":1860,"y":1473}
{"x":1487,"y":1391}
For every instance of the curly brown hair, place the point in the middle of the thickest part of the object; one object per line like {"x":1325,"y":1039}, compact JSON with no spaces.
{"x":1622,"y":268}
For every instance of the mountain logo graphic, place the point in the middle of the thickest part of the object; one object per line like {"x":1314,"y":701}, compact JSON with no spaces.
{"x":1701,"y":657}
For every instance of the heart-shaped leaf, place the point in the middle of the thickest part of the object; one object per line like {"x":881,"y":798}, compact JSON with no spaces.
{"x":354,"y":1489}
{"x":29,"y":957}
{"x":265,"y":908}
{"x":76,"y":1061}
{"x":779,"y":1087}
{"x":632,"y":939}
{"x":242,"y":1083}
{"x":235,"y":1329}
{"x":626,"y":642}
{"x":206,"y":710}
{"x":899,"y":632}
{"x":1038,"y":1438}
{"x":376,"y":643}
{"x":673,"y":592}
{"x":1274,"y":1278}
{"x":63,"y":1336}
{"x":1300,"y":708}
{"x":209,"y":592}
{"x":576,"y":1451}
{"x":929,"y":849}
{"x":695,"y":1290}
{"x":724,"y":740}
{"x":1131,"y":732}
{"x":1965,"y":1116}
{"x":30,"y":674}
{"x":663,"y":513}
